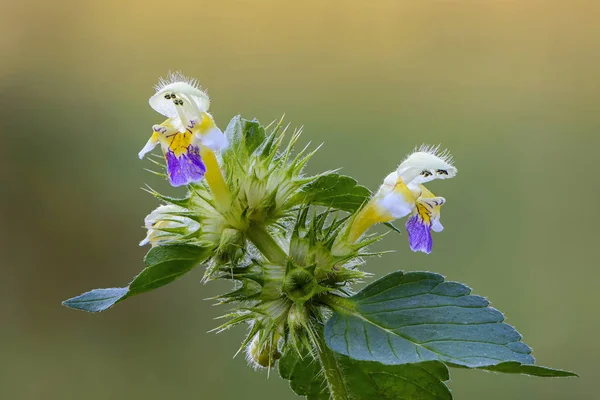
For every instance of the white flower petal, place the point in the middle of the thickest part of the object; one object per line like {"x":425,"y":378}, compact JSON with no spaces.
{"x":426,"y":164}
{"x":396,"y":205}
{"x":390,"y":181}
{"x":160,"y":213}
{"x":150,"y":145}
{"x":436,"y":225}
{"x":214,"y":139}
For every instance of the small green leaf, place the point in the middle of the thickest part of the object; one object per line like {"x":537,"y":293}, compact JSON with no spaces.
{"x":253,"y":134}
{"x":335,"y":191}
{"x":234,"y":130}
{"x":96,"y":300}
{"x":366,"y":380}
{"x":244,"y":134}
{"x":417,"y":316}
{"x":164,"y":264}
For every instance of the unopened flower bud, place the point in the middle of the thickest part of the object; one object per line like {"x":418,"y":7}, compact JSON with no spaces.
{"x":165,"y":224}
{"x":262,"y":355}
{"x":297,"y":317}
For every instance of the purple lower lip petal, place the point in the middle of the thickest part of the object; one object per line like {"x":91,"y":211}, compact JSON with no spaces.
{"x":186,"y":168}
{"x":419,"y":234}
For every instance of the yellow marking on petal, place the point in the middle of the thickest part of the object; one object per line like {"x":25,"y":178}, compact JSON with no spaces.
{"x":429,"y":205}
{"x":155,"y":137}
{"x":402,"y":189}
{"x":214,"y":178}
{"x":179,"y":142}
{"x":206,"y":124}
{"x":171,"y":138}
{"x":424,"y":212}
{"x":426,"y":193}
{"x":168,"y":125}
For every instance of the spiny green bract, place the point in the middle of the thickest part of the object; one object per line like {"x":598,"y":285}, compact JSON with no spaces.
{"x":282,"y":303}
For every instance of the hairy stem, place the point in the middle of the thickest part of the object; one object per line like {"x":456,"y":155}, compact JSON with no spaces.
{"x":338,"y":303}
{"x":331,"y":368}
{"x":267,"y":245}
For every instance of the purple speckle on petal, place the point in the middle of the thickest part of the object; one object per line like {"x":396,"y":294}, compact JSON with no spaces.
{"x":186,"y":168}
{"x":419,"y":234}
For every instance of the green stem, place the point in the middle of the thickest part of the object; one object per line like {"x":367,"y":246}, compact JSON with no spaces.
{"x":331,"y":369}
{"x":267,"y":245}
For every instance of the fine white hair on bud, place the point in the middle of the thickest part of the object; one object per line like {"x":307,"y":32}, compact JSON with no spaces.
{"x":178,"y":96}
{"x":425,"y":164}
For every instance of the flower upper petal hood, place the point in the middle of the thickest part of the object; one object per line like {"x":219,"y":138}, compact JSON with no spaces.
{"x":426,"y":164}
{"x":179,"y":97}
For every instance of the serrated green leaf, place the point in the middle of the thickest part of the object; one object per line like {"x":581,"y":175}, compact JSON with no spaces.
{"x":367,"y":380}
{"x":164,"y":264}
{"x":418,"y":316}
{"x":335,"y":191}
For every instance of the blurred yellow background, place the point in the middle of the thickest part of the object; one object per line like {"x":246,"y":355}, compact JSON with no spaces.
{"x":510,"y":87}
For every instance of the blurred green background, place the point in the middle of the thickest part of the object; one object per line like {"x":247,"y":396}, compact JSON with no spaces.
{"x":510,"y":87}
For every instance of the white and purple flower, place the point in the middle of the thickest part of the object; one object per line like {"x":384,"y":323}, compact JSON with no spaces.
{"x":403,"y":194}
{"x":187,"y":133}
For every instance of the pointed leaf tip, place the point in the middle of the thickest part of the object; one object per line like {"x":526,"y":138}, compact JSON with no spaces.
{"x":533,"y":370}
{"x":164,"y":264}
{"x":96,"y":300}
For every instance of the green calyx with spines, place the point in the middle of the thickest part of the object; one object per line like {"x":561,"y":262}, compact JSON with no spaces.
{"x":263,"y":176}
{"x":287,"y":297}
